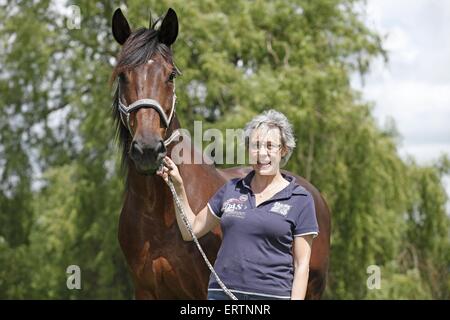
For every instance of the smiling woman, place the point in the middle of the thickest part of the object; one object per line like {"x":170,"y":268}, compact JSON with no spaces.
{"x":266,"y":214}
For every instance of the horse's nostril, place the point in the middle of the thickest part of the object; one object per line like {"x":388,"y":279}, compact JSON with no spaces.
{"x":161,"y":147}
{"x":138,"y":148}
{"x":148,"y":153}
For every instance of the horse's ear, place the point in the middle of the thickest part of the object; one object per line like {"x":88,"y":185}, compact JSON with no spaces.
{"x":169,"y":28}
{"x":120,"y":27}
{"x":150,"y":24}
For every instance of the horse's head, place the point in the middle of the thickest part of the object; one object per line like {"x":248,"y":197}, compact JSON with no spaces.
{"x":145,"y":98}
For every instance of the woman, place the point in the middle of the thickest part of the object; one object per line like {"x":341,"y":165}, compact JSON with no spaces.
{"x":268,"y":220}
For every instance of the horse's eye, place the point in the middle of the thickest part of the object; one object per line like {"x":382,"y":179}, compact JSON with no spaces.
{"x":122,"y":77}
{"x":172,"y":76}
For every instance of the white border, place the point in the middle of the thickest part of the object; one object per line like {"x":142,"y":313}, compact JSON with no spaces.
{"x":307,"y":233}
{"x":212,"y":211}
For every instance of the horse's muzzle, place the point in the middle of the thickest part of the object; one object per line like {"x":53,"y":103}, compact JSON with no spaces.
{"x":147,"y":157}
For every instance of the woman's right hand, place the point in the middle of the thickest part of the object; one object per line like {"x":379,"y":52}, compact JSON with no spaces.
{"x":169,"y":168}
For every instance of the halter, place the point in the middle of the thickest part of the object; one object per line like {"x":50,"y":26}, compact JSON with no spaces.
{"x":125,"y":111}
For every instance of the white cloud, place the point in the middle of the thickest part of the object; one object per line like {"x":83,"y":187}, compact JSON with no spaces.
{"x":425,"y":153}
{"x":418,"y":39}
{"x":421,"y":110}
{"x":414,"y":87}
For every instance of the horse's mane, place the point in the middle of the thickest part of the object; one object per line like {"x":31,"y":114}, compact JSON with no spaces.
{"x":140,"y":46}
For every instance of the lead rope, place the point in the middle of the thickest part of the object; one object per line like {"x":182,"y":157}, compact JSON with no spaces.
{"x":180,"y":209}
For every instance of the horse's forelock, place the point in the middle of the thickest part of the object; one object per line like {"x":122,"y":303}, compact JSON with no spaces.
{"x":140,"y":46}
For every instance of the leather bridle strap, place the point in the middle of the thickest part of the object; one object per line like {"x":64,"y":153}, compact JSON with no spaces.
{"x":145,"y":103}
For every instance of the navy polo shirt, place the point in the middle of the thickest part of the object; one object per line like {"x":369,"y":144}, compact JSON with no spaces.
{"x":256,"y":252}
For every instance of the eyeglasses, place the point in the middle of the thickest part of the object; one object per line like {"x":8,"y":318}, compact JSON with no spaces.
{"x":269,"y":146}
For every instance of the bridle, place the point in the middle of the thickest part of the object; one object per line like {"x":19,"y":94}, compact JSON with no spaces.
{"x":125,"y":111}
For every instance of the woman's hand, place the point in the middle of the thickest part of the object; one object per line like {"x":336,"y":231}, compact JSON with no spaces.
{"x":169,"y":168}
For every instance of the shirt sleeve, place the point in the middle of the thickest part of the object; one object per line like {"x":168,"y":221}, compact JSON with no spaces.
{"x":216,"y":202}
{"x":306,"y":222}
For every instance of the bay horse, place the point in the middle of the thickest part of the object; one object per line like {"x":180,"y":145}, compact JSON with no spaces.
{"x":162,"y":264}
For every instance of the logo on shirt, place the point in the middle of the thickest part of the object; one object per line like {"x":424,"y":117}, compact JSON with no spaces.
{"x":280,"y":208}
{"x":234,"y":204}
{"x":243,"y":198}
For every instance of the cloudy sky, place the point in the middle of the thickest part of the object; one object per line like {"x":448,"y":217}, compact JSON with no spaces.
{"x":413,"y":88}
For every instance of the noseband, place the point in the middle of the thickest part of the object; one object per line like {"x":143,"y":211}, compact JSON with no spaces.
{"x":125,"y":111}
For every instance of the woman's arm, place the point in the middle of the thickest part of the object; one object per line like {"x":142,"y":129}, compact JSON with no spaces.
{"x":302,"y":255}
{"x":201,"y":223}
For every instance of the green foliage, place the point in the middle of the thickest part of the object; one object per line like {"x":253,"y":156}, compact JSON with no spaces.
{"x":60,"y":187}
{"x":398,"y":284}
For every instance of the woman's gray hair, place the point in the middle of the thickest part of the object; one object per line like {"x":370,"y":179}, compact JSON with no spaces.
{"x":273,"y":119}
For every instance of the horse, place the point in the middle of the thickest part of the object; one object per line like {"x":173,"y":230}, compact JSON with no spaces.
{"x":161,"y":263}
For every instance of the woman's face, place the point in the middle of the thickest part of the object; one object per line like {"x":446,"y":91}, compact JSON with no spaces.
{"x":266,"y":150}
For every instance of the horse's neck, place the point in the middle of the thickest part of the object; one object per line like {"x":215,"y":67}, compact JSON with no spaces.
{"x":193,"y":172}
{"x":145,"y":188}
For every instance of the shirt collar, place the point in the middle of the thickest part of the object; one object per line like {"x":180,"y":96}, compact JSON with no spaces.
{"x":292,"y":188}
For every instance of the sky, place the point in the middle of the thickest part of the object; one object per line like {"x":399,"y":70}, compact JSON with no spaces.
{"x":413,"y":88}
